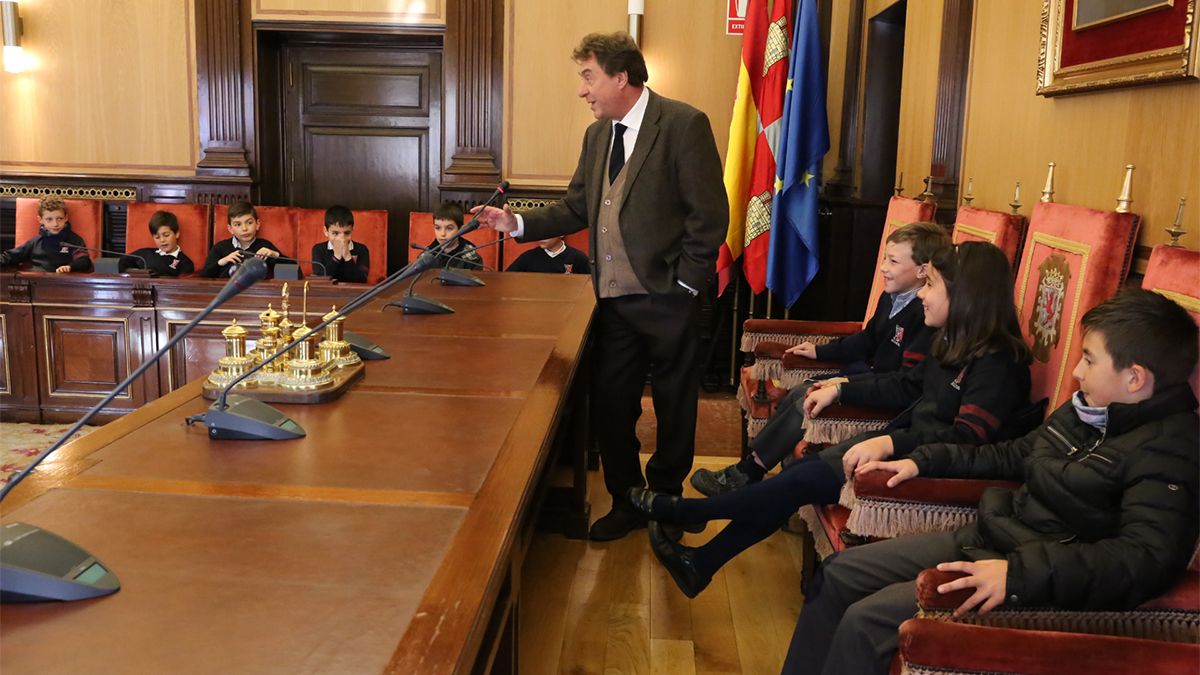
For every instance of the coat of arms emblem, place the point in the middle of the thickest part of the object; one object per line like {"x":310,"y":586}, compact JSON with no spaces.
{"x":1045,"y":321}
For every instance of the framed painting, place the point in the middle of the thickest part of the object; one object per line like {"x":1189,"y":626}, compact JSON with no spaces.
{"x":1101,"y":44}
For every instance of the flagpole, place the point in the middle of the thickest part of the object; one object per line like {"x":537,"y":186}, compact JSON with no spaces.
{"x":733,"y":336}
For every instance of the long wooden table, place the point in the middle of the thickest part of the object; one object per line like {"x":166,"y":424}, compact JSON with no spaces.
{"x":389,"y":539}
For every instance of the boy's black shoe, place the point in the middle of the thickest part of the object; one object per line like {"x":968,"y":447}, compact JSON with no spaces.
{"x":642,"y":501}
{"x":678,"y":561}
{"x":620,"y":521}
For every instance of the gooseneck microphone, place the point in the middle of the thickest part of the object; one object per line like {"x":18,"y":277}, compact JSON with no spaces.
{"x":33,"y":560}
{"x":290,"y":270}
{"x":108,"y":265}
{"x":236,"y":417}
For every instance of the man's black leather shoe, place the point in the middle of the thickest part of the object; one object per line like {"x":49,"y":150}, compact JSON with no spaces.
{"x":678,"y":561}
{"x":616,"y":524}
{"x":642,"y":501}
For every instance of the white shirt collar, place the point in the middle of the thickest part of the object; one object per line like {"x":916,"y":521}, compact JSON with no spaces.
{"x":173,"y":254}
{"x":633,"y":119}
{"x":562,"y":246}
{"x":237,"y":243}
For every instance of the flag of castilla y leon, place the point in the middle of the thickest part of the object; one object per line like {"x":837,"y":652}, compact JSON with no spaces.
{"x":753,"y":139}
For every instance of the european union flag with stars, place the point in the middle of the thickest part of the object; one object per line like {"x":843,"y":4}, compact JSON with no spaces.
{"x":792,"y":258}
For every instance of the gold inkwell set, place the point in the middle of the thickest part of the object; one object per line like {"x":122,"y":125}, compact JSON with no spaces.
{"x":312,"y":370}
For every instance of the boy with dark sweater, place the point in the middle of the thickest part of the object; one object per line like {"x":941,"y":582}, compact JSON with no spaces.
{"x":227,"y":255}
{"x":552,"y":256}
{"x":166,"y":259}
{"x":56,"y":248}
{"x":447,"y":221}
{"x":896,"y":337}
{"x":1106,"y":517}
{"x":342,"y":258}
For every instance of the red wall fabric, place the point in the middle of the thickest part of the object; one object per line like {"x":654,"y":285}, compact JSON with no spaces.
{"x":1156,"y":29}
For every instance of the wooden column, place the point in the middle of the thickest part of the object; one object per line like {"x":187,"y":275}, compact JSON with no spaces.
{"x":842,"y":183}
{"x":950,"y":106}
{"x":473,"y":93}
{"x":224,"y":80}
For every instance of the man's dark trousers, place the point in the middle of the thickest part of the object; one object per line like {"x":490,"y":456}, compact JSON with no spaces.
{"x":635,"y":334}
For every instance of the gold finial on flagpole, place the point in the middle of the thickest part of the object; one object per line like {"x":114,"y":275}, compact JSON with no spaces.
{"x":1126,"y":197}
{"x":1048,"y":190}
{"x":1016,"y":201}
{"x":1176,"y":230}
{"x":969,"y":195}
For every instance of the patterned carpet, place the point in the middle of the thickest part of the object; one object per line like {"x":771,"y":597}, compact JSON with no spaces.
{"x":20,"y":443}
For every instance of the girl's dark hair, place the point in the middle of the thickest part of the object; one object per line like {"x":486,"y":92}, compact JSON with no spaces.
{"x":982,"y":318}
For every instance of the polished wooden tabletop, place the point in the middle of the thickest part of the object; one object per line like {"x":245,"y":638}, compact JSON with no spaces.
{"x":377,"y":543}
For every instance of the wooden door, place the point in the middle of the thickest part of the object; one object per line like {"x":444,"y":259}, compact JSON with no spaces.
{"x":362,"y":128}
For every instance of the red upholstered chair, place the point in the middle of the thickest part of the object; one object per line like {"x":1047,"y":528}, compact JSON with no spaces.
{"x":512,"y":249}
{"x":195,"y":235}
{"x":1005,"y":230}
{"x":275,"y":225}
{"x":772,"y":375}
{"x":86,"y":217}
{"x":420,"y":231}
{"x":1175,"y":273}
{"x":370,"y":228}
{"x":935,"y":647}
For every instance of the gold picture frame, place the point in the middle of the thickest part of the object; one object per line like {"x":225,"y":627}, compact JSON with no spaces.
{"x":1175,"y":62}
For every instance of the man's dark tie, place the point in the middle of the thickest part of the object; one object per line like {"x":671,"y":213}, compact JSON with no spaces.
{"x":616,"y":158}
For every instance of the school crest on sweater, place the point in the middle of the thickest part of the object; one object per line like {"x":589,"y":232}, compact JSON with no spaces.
{"x":1045,"y":321}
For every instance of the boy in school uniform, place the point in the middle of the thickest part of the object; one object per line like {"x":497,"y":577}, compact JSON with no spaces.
{"x":552,"y":256}
{"x":342,"y":258}
{"x":1106,"y":517}
{"x":896,"y":337}
{"x":447,"y":221}
{"x":228,"y":254}
{"x":55,"y":248}
{"x":166,"y":259}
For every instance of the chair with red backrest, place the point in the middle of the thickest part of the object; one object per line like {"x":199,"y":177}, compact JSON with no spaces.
{"x":195,"y":236}
{"x":759,"y":388}
{"x":512,"y":249}
{"x":274,"y":224}
{"x":1005,"y":230}
{"x":420,"y":232}
{"x":370,"y":229}
{"x":86,"y":217}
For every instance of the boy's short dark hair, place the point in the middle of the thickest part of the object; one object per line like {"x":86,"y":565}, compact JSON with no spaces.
{"x":615,"y":52}
{"x":51,"y":203}
{"x":1145,"y":328}
{"x":924,"y":238}
{"x":449,"y":211}
{"x":239,"y":209}
{"x":338,"y":215}
{"x":161,"y":219}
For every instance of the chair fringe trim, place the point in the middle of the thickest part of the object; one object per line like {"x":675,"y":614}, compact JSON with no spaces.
{"x":1161,"y":624}
{"x":848,"y":500}
{"x":742,"y":398}
{"x":751,"y":339}
{"x":829,"y":430}
{"x":754,"y":425}
{"x":885,"y":518}
{"x":766,"y":368}
{"x":820,"y":536}
{"x":907,"y":668}
{"x":791,"y":378}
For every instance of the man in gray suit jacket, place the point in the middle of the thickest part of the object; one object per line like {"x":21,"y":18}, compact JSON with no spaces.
{"x":649,"y":187}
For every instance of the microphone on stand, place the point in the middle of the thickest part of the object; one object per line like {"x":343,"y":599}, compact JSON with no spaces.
{"x":290,"y":271}
{"x":108,"y":265}
{"x":243,"y":418}
{"x":419,"y":304}
{"x":37,"y":565}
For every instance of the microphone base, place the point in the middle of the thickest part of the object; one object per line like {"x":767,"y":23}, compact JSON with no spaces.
{"x":106,"y":265}
{"x":248,"y":419}
{"x":451,"y":277}
{"x":32,"y":564}
{"x":418,"y":304}
{"x":366,"y":349}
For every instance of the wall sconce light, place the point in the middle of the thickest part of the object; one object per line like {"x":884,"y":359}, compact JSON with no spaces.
{"x":637,"y":8}
{"x":10,"y":22}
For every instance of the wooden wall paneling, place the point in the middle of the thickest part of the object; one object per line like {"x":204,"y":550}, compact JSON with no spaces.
{"x":887,"y":42}
{"x":221,"y":84}
{"x":1011,"y":133}
{"x":19,"y":397}
{"x":472,"y":96}
{"x":842,"y":183}
{"x":918,"y":97}
{"x":950,"y":106}
{"x":392,"y":12}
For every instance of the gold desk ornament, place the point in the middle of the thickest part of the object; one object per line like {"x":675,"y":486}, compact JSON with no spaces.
{"x":1048,"y":190}
{"x":969,"y":195}
{"x":1015,"y":204}
{"x":305,"y":371}
{"x":236,"y":361}
{"x":335,"y":351}
{"x":1176,"y":230}
{"x":1126,"y":197}
{"x":268,"y":321}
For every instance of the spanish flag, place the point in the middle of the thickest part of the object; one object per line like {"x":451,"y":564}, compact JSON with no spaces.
{"x":753,"y":137}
